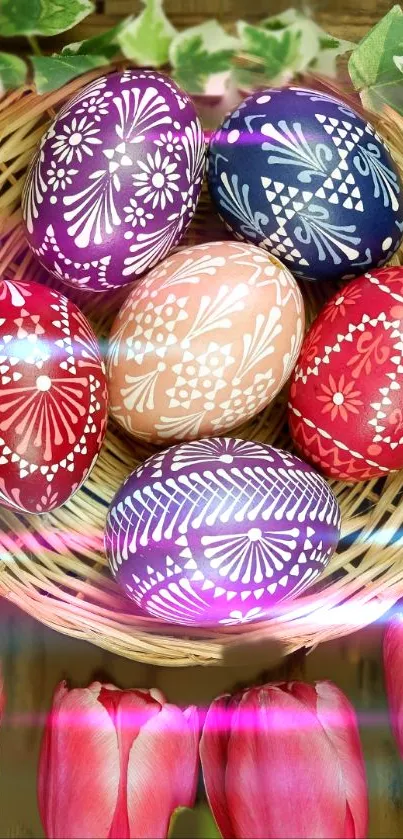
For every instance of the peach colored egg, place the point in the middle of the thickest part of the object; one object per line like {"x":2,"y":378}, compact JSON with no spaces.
{"x":203,"y":342}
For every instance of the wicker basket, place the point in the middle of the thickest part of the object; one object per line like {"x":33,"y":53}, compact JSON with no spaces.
{"x":54,"y":567}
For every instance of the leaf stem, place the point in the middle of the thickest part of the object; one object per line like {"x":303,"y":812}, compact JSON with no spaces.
{"x":33,"y":41}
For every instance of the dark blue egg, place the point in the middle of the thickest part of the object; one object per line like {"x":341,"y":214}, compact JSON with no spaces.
{"x":300,"y":173}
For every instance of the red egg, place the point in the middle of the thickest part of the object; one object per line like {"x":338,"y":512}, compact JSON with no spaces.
{"x":346,"y":398}
{"x":53,"y":397}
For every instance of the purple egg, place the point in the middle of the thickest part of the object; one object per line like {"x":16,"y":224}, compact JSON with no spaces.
{"x":115,"y":181}
{"x":219,"y":530}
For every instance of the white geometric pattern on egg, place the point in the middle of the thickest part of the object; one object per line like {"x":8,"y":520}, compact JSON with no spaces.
{"x":53,"y":397}
{"x":320,"y":190}
{"x":217,"y":531}
{"x":204,"y":342}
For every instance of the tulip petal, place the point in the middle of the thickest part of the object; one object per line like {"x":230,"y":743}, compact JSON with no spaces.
{"x":129,"y":710}
{"x":162,"y":773}
{"x":213,"y":756}
{"x":281,"y":779}
{"x":79,"y":767}
{"x":304,"y":693}
{"x":47,"y":772}
{"x":393,"y":669}
{"x":339,"y":721}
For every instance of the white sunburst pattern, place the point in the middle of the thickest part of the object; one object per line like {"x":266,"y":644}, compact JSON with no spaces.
{"x":140,"y":112}
{"x":260,"y":343}
{"x":86,"y":341}
{"x":368,"y":161}
{"x":150,"y":248}
{"x":93,"y":216}
{"x":214,"y":312}
{"x":218,"y":449}
{"x":44,"y":415}
{"x":117,"y":349}
{"x":192,"y":272}
{"x":193,"y":143}
{"x":252,"y":556}
{"x":140,"y":390}
{"x":14,"y":292}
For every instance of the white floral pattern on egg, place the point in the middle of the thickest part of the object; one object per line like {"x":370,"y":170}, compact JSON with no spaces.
{"x":203,"y":342}
{"x":116,"y":180}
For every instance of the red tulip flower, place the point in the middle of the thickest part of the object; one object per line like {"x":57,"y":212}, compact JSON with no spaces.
{"x":115,"y":763}
{"x":393,"y":669}
{"x":283,"y":761}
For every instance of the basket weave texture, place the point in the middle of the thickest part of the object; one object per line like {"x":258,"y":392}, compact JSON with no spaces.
{"x":54,"y":566}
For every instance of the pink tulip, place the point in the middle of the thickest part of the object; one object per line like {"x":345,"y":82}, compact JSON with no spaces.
{"x":393,"y":669}
{"x":285,"y":760}
{"x":115,"y":763}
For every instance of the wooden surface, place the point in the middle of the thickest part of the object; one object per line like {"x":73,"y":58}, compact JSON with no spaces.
{"x":36,"y":658}
{"x":342,"y":18}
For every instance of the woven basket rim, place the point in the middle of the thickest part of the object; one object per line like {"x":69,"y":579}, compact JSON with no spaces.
{"x":52,"y":572}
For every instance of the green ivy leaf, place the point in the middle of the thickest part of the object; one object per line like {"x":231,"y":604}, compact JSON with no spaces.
{"x":54,"y":71}
{"x":147,"y":38}
{"x":41,"y":17}
{"x":200,"y":52}
{"x":13,"y":71}
{"x":285,"y":45}
{"x":106,"y":44}
{"x":276,"y":51}
{"x":376,"y":64}
{"x":328,"y":51}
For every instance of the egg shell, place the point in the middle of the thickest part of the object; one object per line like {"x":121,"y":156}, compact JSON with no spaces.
{"x":203,"y":342}
{"x":346,"y":403}
{"x":115,"y":181}
{"x":302,"y":174}
{"x":218,"y":531}
{"x":53,"y":397}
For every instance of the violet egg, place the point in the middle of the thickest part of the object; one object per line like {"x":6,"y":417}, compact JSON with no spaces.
{"x":218,"y":531}
{"x":115,"y":181}
{"x":301,"y":174}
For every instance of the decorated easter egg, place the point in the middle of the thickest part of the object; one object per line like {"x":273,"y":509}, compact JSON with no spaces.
{"x":218,"y":531}
{"x":300,"y":173}
{"x":346,"y":399}
{"x":53,"y":397}
{"x":203,"y":342}
{"x":115,"y":181}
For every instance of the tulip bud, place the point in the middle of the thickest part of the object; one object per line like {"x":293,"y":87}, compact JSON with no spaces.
{"x":393,"y":670}
{"x":115,"y":763}
{"x":285,"y":760}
